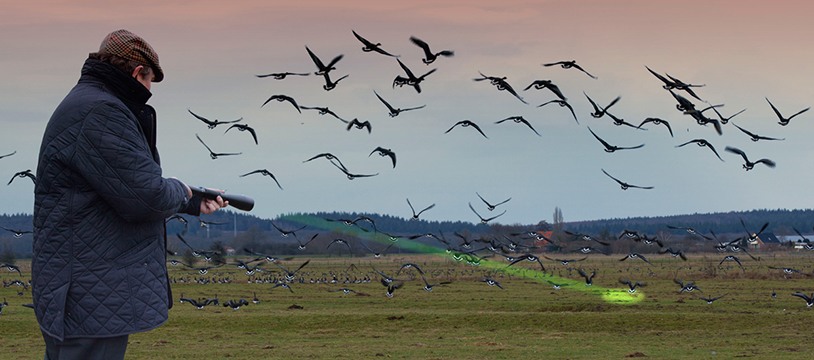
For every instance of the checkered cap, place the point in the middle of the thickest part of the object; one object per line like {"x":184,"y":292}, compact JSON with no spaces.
{"x":132,"y":47}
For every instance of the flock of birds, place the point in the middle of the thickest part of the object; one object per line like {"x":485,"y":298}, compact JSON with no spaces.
{"x":514,"y":248}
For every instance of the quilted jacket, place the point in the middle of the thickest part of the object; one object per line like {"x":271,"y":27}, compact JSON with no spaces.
{"x":99,"y":265}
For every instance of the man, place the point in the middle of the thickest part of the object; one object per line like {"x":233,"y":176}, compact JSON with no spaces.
{"x":99,"y":262}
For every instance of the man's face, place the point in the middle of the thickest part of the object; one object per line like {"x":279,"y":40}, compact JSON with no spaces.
{"x":146,"y":80}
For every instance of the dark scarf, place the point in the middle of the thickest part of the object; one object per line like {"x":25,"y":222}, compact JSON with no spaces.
{"x":130,"y":91}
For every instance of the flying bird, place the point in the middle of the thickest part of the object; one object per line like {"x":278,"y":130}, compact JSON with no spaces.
{"x":323,"y":69}
{"x":785,"y":120}
{"x":330,"y":84}
{"x":385,"y":152}
{"x":501,"y":84}
{"x":809,"y":299}
{"x":369,"y":46}
{"x":519,"y":120}
{"x":547,"y":84}
{"x":657,"y":121}
{"x":561,"y":103}
{"x":589,"y":279}
{"x":732,"y":258}
{"x":350,"y":175}
{"x":25,"y":173}
{"x":281,"y":75}
{"x":395,"y":111}
{"x":417,"y":214}
{"x":359,"y":125}
{"x":632,"y":286}
{"x":748,"y":165}
{"x":212,"y":123}
{"x":702,"y":143}
{"x":411,"y":79}
{"x":625,"y":185}
{"x":467,"y":123}
{"x":634,"y":255}
{"x":611,"y":148}
{"x":282,"y":98}
{"x":490,"y":206}
{"x":482,"y":219}
{"x":329,"y":156}
{"x":429,"y":55}
{"x":7,"y":155}
{"x":753,"y":136}
{"x":17,"y":233}
{"x":324,"y":111}
{"x":243,"y":127}
{"x":264,"y":172}
{"x":598,"y":110}
{"x":213,"y":154}
{"x":12,"y":267}
{"x":724,"y":119}
{"x":569,"y":65}
{"x":289,"y":275}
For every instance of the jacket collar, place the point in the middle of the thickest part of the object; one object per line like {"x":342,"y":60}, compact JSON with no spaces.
{"x":125,"y":87}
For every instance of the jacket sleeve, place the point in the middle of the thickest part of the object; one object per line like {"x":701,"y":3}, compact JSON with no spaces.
{"x":114,"y":158}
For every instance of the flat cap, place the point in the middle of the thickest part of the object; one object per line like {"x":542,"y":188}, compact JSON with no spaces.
{"x":132,"y":47}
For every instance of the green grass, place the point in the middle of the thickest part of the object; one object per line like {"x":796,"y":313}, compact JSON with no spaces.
{"x":468,"y":319}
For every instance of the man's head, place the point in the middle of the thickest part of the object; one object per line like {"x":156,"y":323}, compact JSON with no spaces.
{"x":138,"y":56}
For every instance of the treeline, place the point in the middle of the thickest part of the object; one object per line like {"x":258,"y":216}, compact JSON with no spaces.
{"x":240,"y":230}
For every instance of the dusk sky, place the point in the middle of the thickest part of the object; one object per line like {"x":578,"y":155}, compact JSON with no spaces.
{"x":743,"y":51}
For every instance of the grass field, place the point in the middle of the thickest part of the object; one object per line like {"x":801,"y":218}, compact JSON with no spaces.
{"x":467,"y":318}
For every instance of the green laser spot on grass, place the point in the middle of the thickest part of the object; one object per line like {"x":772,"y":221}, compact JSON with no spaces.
{"x":620,"y":296}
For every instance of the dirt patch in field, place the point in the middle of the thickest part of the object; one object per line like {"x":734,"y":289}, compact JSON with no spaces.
{"x":637,"y":354}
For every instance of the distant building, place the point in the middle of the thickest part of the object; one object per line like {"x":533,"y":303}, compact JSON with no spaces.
{"x":799,"y":243}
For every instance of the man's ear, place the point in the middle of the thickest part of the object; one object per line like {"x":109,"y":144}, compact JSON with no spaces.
{"x":137,"y":71}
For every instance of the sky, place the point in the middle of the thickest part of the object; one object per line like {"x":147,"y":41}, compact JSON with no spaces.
{"x":744,"y":52}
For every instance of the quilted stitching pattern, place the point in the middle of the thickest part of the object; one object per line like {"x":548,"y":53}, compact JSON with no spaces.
{"x":100,"y":203}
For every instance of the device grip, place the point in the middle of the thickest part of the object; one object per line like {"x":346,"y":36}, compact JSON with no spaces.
{"x":241,"y":202}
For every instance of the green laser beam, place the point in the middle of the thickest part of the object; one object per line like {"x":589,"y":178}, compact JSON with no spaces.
{"x":610,"y":295}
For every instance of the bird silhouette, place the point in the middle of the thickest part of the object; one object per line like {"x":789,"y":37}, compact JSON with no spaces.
{"x":417,"y":214}
{"x":482,"y":219}
{"x":632,"y":286}
{"x":324,"y":111}
{"x":12,"y":267}
{"x":17,"y":233}
{"x":281,"y":75}
{"x":393,"y":112}
{"x":385,"y":152}
{"x":264,"y":172}
{"x":25,"y":173}
{"x":411,"y":79}
{"x":612,"y":148}
{"x":213,"y":154}
{"x":753,"y":136}
{"x":519,"y":120}
{"x":329,"y":156}
{"x":331,"y":84}
{"x":501,"y":84}
{"x":282,"y":98}
{"x":809,"y":299}
{"x":547,"y":84}
{"x":785,"y":120}
{"x":429,"y":55}
{"x":369,"y":46}
{"x":490,"y":206}
{"x":589,"y":279}
{"x":561,"y":103}
{"x":724,"y":119}
{"x":350,"y":175}
{"x":467,"y":123}
{"x":657,"y":121}
{"x":702,"y":143}
{"x":625,"y":185}
{"x":570,"y":64}
{"x":598,"y":110}
{"x":7,"y":155}
{"x":748,"y":165}
{"x":323,"y":69}
{"x":212,"y":123}
{"x":243,"y":127}
{"x":359,"y":125}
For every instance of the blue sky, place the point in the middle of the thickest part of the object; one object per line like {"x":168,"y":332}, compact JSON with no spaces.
{"x":743,"y":51}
